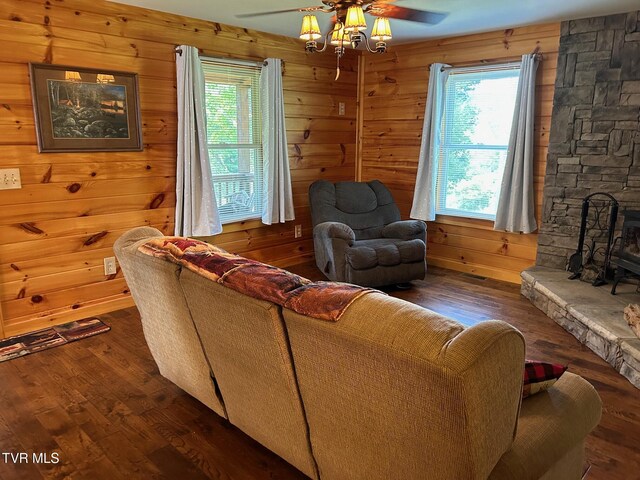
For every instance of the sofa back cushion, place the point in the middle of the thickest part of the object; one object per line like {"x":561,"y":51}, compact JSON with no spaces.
{"x":395,"y":391}
{"x":166,"y":320}
{"x":246,"y":341}
{"x":365,"y":207}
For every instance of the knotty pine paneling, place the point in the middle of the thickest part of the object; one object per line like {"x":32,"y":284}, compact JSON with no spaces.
{"x":56,"y":230}
{"x":392,"y":98}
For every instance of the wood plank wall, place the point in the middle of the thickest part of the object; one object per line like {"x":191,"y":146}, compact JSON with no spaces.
{"x":393,"y":101}
{"x":56,"y":230}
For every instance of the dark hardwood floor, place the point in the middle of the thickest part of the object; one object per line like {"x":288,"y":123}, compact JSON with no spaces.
{"x":101,"y":404}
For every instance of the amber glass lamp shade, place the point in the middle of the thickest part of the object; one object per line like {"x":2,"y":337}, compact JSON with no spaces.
{"x":355,"y":20}
{"x":310,"y":29}
{"x":339,"y":37}
{"x":381,"y":30}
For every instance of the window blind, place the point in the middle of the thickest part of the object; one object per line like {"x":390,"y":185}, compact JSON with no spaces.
{"x":234,"y":137}
{"x":476,"y":125}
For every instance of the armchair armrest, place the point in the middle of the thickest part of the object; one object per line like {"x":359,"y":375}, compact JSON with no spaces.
{"x":330,"y":241}
{"x":335,"y":230}
{"x":406,"y":230}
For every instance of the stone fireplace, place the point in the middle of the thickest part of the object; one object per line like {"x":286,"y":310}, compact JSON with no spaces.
{"x":594,"y":146}
{"x":594,"y":143}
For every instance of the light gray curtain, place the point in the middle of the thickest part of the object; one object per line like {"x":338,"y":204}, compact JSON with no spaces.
{"x":424,"y":196}
{"x":196,"y":209}
{"x":278,"y":197}
{"x":516,"y":210}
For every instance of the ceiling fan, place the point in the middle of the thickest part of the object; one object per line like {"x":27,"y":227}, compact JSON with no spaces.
{"x":378,"y":8}
{"x":349,"y":23}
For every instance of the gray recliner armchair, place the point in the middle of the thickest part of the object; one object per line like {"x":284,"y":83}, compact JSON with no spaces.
{"x":358,"y":236}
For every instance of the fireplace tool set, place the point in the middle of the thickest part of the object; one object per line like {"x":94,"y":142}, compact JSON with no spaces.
{"x":597,"y":224}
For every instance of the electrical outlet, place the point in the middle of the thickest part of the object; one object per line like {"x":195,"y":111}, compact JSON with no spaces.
{"x":10,"y":179}
{"x":298,"y":231}
{"x":110,"y":266}
{"x":341,"y":109}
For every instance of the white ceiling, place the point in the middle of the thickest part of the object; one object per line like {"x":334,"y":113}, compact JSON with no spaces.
{"x":465,"y":16}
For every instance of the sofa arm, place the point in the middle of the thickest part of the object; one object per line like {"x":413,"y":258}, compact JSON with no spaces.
{"x":489,"y":358}
{"x":406,"y":230}
{"x":553,"y":424}
{"x":335,"y":230}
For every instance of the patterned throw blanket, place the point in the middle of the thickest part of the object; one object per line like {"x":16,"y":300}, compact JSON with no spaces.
{"x":322,"y":300}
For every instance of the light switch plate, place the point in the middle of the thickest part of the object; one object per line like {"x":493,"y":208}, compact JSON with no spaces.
{"x":10,"y":179}
{"x":341,"y":109}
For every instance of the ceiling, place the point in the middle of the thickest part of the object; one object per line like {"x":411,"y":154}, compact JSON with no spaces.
{"x":465,"y":16}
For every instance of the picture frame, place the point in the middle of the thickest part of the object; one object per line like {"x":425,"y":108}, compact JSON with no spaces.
{"x":80,"y":109}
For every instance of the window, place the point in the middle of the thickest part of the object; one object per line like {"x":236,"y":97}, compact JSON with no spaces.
{"x":234,"y":137}
{"x":476,"y":126}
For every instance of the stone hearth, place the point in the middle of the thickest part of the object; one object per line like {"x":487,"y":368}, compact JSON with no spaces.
{"x":591,"y":314}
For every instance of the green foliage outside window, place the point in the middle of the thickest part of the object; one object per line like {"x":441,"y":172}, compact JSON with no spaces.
{"x":475,"y":133}
{"x":222,"y":126}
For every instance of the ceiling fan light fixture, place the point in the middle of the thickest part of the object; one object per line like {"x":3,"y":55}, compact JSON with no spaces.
{"x":381,"y":30}
{"x":355,"y":19}
{"x":310,"y":29}
{"x":350,"y":26}
{"x":339,"y":37}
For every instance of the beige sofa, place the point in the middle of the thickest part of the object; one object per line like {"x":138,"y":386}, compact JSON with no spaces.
{"x":390,"y":391}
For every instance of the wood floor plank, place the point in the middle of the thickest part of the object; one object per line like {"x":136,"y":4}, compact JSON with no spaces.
{"x":175,"y":465}
{"x":74,"y":442}
{"x":9,"y":444}
{"x":130,"y":461}
{"x":102,"y":404}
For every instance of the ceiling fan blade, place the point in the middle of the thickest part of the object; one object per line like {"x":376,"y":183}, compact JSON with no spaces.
{"x":403,"y":13}
{"x":274,"y":12}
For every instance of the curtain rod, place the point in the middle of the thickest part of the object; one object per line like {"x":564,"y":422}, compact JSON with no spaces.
{"x":488,"y":66}
{"x":232,"y":61}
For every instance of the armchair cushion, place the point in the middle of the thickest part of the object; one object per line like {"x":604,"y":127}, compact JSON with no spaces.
{"x":354,"y":198}
{"x":366,"y":254}
{"x":405,"y":229}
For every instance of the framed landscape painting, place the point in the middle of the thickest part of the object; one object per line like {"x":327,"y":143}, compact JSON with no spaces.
{"x":82,"y":110}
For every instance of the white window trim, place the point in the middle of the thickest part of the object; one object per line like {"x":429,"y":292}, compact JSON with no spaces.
{"x":441,"y":210}
{"x":225,"y":219}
